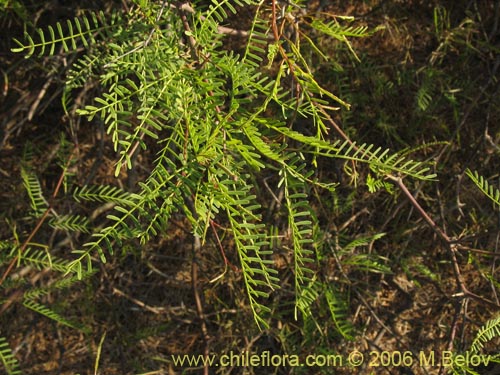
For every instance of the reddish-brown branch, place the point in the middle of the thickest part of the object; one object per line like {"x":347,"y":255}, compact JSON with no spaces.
{"x":451,"y":246}
{"x":277,"y":38}
{"x":221,"y":248}
{"x":40,"y":221}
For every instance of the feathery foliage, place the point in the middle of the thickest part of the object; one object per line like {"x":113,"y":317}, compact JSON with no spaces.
{"x":79,"y":30}
{"x":219,"y":120}
{"x":488,"y":332}
{"x":218,"y":131}
{"x":483,"y":185}
{"x":9,"y":362}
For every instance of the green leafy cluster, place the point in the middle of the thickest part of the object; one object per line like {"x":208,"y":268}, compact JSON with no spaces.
{"x":219,"y":120}
{"x":9,"y":362}
{"x":487,"y":189}
{"x":488,"y":332}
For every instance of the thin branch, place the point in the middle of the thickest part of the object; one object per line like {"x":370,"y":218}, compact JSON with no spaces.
{"x":451,"y":245}
{"x":40,"y":221}
{"x":155,"y":310}
{"x":199,"y":304}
